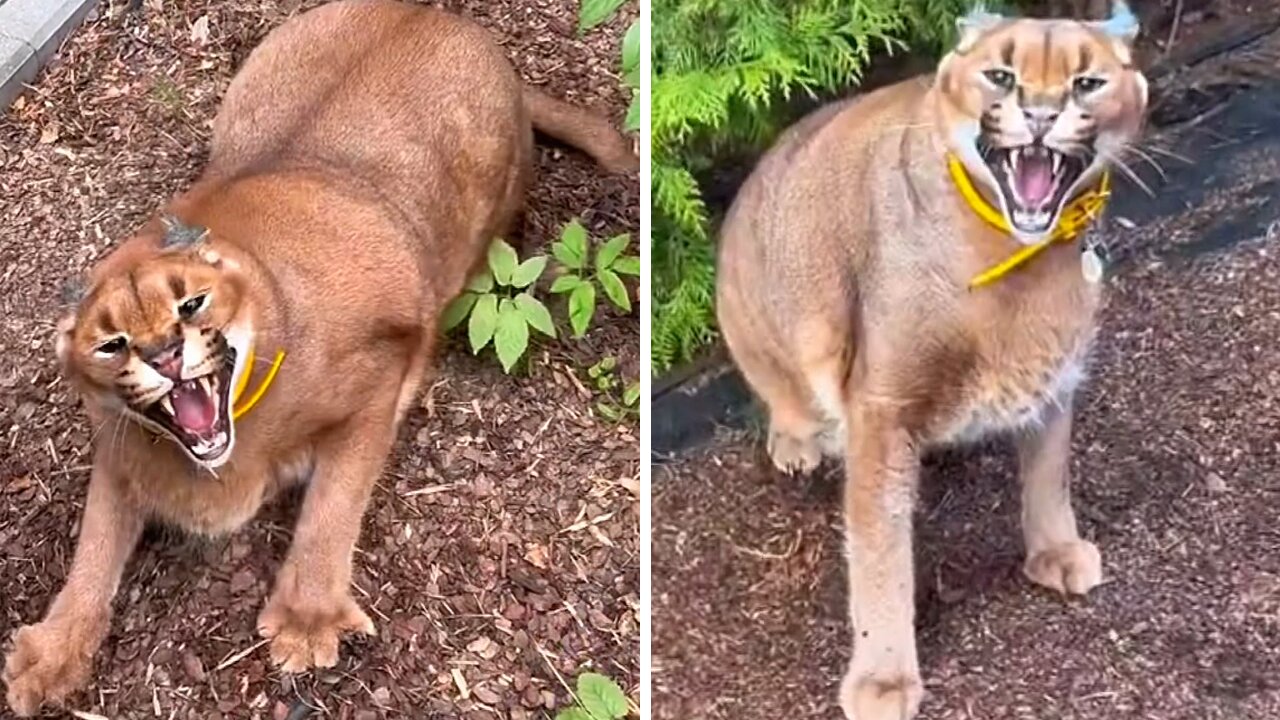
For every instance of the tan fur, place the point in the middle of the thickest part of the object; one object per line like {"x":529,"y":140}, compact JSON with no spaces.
{"x":842,"y":297}
{"x":362,"y":160}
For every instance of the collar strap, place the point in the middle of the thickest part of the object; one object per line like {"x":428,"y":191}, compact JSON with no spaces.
{"x":1072,"y":221}
{"x":243,"y":383}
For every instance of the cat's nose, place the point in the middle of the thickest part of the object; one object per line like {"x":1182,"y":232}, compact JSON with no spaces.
{"x":1040,"y":120}
{"x":167,"y":359}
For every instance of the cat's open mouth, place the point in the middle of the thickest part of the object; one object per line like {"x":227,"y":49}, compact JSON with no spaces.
{"x":1034,"y":180}
{"x":197,"y":413}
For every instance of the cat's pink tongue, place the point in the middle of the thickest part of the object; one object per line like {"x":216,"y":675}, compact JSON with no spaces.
{"x":192,"y":407}
{"x":1034,"y":180}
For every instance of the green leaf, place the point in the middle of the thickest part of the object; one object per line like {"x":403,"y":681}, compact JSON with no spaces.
{"x":572,"y":713}
{"x":582,"y":307}
{"x":611,"y":250}
{"x":612,"y":414}
{"x":503,"y":261}
{"x":608,"y":363}
{"x":484,"y":320}
{"x":572,"y":248}
{"x":601,"y":697}
{"x":631,"y":50}
{"x":565,"y":283}
{"x":528,"y":271}
{"x":615,"y":290}
{"x":631,"y":394}
{"x":632,"y":122}
{"x":482,"y":282}
{"x":536,"y":314}
{"x":594,"y":12}
{"x":627,"y":265}
{"x":511,"y":338}
{"x":457,"y":310}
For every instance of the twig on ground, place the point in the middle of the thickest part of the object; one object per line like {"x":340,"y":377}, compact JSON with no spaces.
{"x":240,"y":655}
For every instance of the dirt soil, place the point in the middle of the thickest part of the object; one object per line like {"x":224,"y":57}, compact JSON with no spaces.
{"x":1177,"y":466}
{"x":500,"y":554}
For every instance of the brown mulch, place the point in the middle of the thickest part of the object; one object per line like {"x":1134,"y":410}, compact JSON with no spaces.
{"x":1176,"y":459}
{"x":500,"y":553}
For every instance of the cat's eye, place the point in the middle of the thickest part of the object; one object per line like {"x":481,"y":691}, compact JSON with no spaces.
{"x":1000,"y":77}
{"x":114,"y":346}
{"x":193,"y":305}
{"x":1086,"y":84}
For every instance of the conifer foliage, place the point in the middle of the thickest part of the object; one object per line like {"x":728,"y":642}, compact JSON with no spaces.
{"x":722,"y":72}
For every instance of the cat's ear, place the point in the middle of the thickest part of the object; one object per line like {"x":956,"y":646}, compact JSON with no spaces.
{"x":178,"y":234}
{"x":1122,"y":26}
{"x":62,"y":338}
{"x":973,"y":25}
{"x":73,"y":291}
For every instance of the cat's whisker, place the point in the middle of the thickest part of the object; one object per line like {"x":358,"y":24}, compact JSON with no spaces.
{"x":1128,"y":171}
{"x":1149,"y":160}
{"x":1169,"y":153}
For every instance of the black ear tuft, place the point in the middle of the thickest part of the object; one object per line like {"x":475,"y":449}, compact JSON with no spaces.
{"x":178,"y":234}
{"x":73,"y":291}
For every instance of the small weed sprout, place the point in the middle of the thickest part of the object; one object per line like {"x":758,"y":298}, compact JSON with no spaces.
{"x":598,"y":698}
{"x":581,"y":275}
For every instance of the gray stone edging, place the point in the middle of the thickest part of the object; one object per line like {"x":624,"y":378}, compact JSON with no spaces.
{"x":30,"y":31}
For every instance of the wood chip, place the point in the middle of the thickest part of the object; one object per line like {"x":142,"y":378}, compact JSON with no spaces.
{"x":461,"y":682}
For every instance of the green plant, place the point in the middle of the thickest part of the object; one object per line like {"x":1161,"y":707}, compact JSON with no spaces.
{"x":723,"y":74}
{"x":580,"y":275}
{"x":500,"y":305}
{"x":597,"y":698}
{"x":611,"y":405}
{"x":631,"y":73}
{"x":592,"y":13}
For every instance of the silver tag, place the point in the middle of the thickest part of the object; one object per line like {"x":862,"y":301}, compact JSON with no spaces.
{"x":1091,"y":264}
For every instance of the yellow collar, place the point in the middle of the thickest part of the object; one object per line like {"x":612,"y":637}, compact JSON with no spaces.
{"x":236,"y":412}
{"x":1075,"y":217}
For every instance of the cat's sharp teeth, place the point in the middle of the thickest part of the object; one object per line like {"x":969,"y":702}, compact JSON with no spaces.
{"x":208,"y":386}
{"x":1016,"y":155}
{"x":1057,"y":162}
{"x":167,"y":404}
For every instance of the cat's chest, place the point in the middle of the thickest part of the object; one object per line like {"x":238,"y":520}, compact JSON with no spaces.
{"x":205,"y":501}
{"x":1017,"y":376}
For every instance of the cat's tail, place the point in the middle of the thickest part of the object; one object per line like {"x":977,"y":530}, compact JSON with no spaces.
{"x":582,"y":129}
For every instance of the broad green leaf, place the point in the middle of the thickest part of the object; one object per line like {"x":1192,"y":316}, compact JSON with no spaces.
{"x":511,"y":338}
{"x":572,"y":250}
{"x":631,"y":395}
{"x":573,"y":713}
{"x":457,"y":310}
{"x":632,"y":123}
{"x":529,"y":271}
{"x":631,"y":50}
{"x":482,"y":282}
{"x":536,"y":314}
{"x":627,"y":265}
{"x":608,"y":363}
{"x":615,"y":290}
{"x":611,"y":250}
{"x":601,"y":697}
{"x":582,"y":307}
{"x":594,"y":12}
{"x":502,"y":261}
{"x":484,"y":319}
{"x":565,"y":283}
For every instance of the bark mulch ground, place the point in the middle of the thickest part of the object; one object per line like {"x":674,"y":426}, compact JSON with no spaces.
{"x":1177,"y":466}
{"x":500,"y":553}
